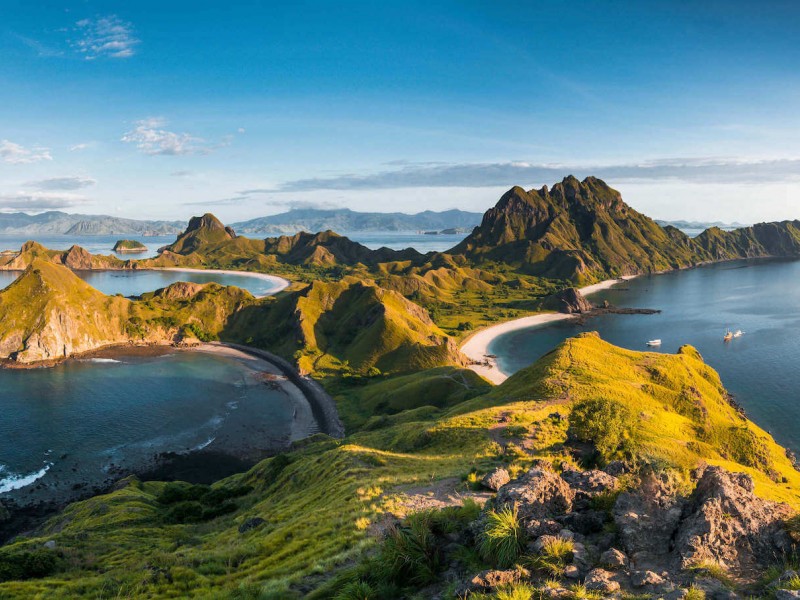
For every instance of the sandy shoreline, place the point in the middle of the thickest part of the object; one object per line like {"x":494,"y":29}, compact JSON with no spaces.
{"x":280,"y":283}
{"x":476,"y":347}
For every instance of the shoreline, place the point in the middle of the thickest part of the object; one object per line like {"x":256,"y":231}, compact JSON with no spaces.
{"x":312,"y":411}
{"x":476,"y":346}
{"x":280,"y":282}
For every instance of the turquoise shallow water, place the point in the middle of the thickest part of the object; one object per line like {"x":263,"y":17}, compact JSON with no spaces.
{"x":83,"y":421}
{"x":135,"y":283}
{"x":762,"y":298}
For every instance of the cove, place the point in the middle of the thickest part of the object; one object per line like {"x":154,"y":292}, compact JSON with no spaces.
{"x":81,"y":424}
{"x":760,"y":297}
{"x":137,"y":282}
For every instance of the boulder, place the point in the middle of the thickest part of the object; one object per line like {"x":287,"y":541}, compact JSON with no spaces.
{"x":538,"y":494}
{"x":569,"y":301}
{"x":251,"y":524}
{"x":614,"y":559}
{"x":588,"y":484}
{"x":726,"y":523}
{"x":496,"y":479}
{"x":491,"y":579}
{"x":647,"y":517}
{"x":646,"y":578}
{"x":600,"y":580}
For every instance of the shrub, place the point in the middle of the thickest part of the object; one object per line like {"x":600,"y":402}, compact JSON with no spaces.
{"x":27,"y":564}
{"x":187,"y":511}
{"x":356,"y":590}
{"x":516,"y":592}
{"x":503,"y":538}
{"x":793,"y":527}
{"x":609,"y":425}
{"x":556,"y":553}
{"x":694,"y":593}
{"x":410,"y":552}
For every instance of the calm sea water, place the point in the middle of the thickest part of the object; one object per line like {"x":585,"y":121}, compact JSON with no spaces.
{"x":399,"y":240}
{"x":82,"y":420}
{"x":102,"y":244}
{"x":96,"y":244}
{"x":762,"y":298}
{"x":135,"y":283}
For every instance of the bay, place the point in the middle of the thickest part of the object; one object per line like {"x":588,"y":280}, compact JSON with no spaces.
{"x":759,"y":297}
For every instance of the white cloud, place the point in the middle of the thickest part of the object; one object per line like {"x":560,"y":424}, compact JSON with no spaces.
{"x":78,"y":147}
{"x":108,"y":36}
{"x":62,"y":183}
{"x":698,"y":170}
{"x":150,"y":137}
{"x":37,"y":201}
{"x":19,"y":155}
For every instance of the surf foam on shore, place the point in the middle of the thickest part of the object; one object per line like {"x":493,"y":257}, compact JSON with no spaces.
{"x":476,"y":347}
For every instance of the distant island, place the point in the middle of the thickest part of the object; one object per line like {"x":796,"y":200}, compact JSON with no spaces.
{"x":348,"y":221}
{"x":129,"y":246}
{"x":61,"y":223}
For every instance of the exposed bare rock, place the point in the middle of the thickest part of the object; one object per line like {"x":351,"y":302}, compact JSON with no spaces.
{"x":646,"y":578}
{"x":725,"y":522}
{"x":647,"y":517}
{"x":538,"y":494}
{"x":600,"y":580}
{"x":491,"y":580}
{"x":588,"y":484}
{"x":496,"y":479}
{"x":614,"y":559}
{"x":569,"y":301}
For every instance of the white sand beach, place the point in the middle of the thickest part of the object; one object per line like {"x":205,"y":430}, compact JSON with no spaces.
{"x":476,"y":347}
{"x":280,"y":283}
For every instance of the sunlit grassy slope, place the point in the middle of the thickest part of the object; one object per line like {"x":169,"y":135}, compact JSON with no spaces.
{"x":323,"y":502}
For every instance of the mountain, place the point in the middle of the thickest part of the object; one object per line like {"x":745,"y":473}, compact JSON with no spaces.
{"x":582,"y":231}
{"x":201,"y":232}
{"x":60,"y":223}
{"x":578,"y":230}
{"x":49,"y":313}
{"x":351,"y":323}
{"x":328,"y":248}
{"x":345,"y":220}
{"x":75,"y":258}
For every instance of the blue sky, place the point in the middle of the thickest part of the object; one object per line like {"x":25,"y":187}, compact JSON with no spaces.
{"x":167,"y":109}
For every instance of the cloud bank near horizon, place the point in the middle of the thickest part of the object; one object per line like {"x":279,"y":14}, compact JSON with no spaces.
{"x":687,"y":170}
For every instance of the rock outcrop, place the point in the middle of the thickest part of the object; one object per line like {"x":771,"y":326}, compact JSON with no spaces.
{"x":569,"y":301}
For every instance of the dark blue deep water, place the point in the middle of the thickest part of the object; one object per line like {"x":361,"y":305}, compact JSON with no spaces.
{"x":761,"y":297}
{"x":84,"y":420}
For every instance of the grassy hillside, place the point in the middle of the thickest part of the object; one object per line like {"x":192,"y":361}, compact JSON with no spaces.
{"x":578,"y":230}
{"x":49,"y":313}
{"x":349,"y":325}
{"x":302,"y":519}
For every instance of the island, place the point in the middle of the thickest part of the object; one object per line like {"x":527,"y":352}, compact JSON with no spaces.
{"x":596,"y":471}
{"x":129,"y":247}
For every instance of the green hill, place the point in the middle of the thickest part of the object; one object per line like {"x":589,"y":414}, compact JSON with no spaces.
{"x":301,"y":524}
{"x":49,"y":313}
{"x":349,"y":324}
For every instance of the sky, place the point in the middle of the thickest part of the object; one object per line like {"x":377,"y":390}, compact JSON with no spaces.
{"x":163,"y":110}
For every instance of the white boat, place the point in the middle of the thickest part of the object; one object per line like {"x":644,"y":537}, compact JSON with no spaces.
{"x":739,"y":333}
{"x":654,"y":343}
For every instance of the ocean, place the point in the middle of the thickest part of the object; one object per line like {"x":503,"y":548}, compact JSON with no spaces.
{"x":759,"y":297}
